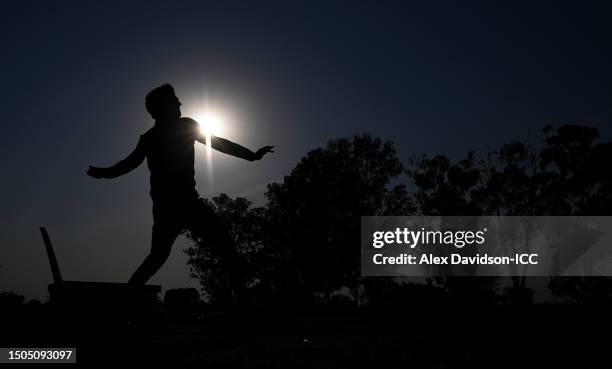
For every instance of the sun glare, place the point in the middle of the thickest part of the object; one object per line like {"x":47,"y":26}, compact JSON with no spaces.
{"x":210,"y":123}
{"x":213,"y":121}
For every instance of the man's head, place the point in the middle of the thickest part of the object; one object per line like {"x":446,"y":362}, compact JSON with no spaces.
{"x":161,"y":103}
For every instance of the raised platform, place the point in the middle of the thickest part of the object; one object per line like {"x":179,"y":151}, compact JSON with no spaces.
{"x":91,"y":295}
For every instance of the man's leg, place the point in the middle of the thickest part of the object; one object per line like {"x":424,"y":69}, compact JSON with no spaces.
{"x":163,"y":237}
{"x":205,"y":224}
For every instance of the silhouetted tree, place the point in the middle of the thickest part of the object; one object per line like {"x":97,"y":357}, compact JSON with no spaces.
{"x":245,"y":224}
{"x":443,"y":188}
{"x":561,"y":177}
{"x":580,"y":184}
{"x":315,"y":214}
{"x":513,"y":183}
{"x":580,"y":181}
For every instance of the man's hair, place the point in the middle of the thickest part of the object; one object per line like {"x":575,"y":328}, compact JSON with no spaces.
{"x":158,"y":99}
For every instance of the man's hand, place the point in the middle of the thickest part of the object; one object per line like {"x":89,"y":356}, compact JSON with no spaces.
{"x":96,"y":172}
{"x":261,"y":152}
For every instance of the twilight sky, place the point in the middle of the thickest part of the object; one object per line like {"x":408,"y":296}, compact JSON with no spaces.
{"x":439,"y":77}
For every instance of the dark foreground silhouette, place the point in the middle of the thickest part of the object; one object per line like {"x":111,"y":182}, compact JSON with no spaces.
{"x":433,"y":336}
{"x":169,"y":150}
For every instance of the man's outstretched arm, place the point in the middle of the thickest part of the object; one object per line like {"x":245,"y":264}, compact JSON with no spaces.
{"x":234,"y":149}
{"x":126,"y":165}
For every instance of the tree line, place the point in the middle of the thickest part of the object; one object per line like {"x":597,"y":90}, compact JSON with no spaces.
{"x":301,"y":247}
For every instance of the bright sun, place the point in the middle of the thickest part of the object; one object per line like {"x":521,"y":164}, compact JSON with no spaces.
{"x":210,"y":123}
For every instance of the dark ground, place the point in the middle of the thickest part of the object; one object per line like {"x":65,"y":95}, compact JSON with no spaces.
{"x":438,"y":337}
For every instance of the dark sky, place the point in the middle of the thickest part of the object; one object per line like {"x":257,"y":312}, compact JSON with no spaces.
{"x":437,"y":77}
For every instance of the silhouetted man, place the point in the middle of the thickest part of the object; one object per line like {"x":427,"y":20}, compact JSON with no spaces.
{"x":169,"y":149}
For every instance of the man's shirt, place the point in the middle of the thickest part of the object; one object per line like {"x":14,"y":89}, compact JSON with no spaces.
{"x":169,"y":149}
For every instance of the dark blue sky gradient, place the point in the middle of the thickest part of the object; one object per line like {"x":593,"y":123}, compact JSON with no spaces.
{"x":435,"y":78}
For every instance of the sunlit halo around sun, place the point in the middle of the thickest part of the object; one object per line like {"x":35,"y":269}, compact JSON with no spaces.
{"x":211,"y":123}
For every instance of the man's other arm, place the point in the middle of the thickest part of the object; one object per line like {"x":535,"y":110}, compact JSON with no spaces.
{"x":228,"y":147}
{"x":231,"y":148}
{"x":126,"y":165}
{"x":239,"y":151}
